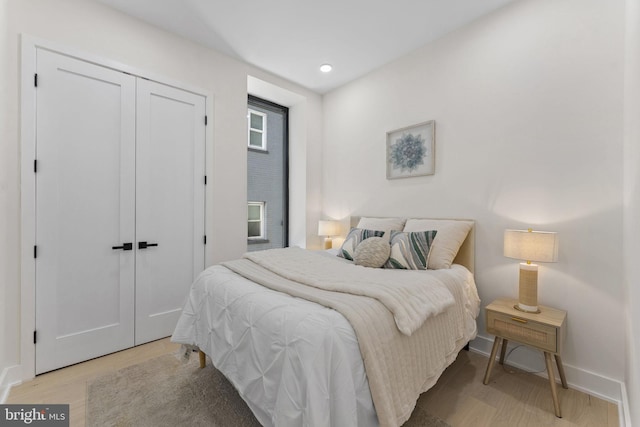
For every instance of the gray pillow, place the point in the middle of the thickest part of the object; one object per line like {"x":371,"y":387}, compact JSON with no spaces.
{"x":353,"y":239}
{"x":372,"y":252}
{"x":410,"y":251}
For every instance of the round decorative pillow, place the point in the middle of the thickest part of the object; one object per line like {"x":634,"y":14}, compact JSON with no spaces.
{"x":372,"y":252}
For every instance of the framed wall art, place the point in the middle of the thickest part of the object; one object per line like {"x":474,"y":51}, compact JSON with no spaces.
{"x":411,"y":151}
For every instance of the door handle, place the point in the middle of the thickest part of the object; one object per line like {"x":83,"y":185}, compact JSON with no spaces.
{"x":124,"y":247}
{"x":145,"y":245}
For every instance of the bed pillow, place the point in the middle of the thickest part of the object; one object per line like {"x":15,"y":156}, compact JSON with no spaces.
{"x":410,"y":251}
{"x":450,"y":236}
{"x":382,"y":224}
{"x":353,"y":239}
{"x":372,"y":252}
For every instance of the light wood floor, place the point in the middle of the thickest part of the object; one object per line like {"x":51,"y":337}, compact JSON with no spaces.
{"x":512,"y":398}
{"x":69,"y":385}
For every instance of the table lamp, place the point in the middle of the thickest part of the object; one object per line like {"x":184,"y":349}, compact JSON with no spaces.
{"x":529,"y":245}
{"x":328,"y":229}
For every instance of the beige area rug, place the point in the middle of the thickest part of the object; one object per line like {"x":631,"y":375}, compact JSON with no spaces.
{"x":167,"y":392}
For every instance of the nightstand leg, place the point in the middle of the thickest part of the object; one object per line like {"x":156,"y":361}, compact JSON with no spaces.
{"x":504,"y":350}
{"x":203,"y":359}
{"x":492,"y":359}
{"x":561,"y":371}
{"x":552,"y":382}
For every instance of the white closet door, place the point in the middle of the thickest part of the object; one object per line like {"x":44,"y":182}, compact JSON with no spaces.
{"x":84,"y":206}
{"x":170,"y":192}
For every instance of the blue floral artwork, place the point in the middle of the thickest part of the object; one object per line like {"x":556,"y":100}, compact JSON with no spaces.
{"x":410,"y":151}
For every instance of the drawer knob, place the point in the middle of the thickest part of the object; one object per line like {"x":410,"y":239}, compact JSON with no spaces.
{"x":517,"y":319}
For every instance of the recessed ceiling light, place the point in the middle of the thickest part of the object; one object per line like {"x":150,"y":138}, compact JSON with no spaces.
{"x":325,"y":68}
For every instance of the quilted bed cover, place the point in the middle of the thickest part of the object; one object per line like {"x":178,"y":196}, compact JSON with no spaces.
{"x":296,"y":362}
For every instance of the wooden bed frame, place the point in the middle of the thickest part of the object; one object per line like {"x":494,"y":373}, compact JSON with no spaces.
{"x":203,"y":358}
{"x":465,"y":257}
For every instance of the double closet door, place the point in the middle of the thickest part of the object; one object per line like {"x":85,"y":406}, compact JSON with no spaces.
{"x":120,"y":169}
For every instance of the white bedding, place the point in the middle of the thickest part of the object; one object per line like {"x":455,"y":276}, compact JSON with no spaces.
{"x":293,"y":361}
{"x":411,"y":295}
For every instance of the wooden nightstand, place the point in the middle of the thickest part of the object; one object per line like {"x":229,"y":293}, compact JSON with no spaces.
{"x":544,"y":331}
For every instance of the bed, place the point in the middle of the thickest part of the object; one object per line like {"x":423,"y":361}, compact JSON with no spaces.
{"x":310,"y":338}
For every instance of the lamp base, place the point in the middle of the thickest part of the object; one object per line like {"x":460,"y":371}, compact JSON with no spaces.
{"x":528,"y":292}
{"x":328,"y":243}
{"x":524,"y":310}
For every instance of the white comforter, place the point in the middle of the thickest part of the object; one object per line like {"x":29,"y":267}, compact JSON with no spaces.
{"x":312,"y":373}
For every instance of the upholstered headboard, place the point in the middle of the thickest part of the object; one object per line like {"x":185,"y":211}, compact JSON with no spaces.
{"x":466,"y":253}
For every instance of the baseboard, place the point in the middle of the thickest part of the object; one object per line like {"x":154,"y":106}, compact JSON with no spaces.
{"x":623,"y":408}
{"x":10,"y":376}
{"x":580,"y":379}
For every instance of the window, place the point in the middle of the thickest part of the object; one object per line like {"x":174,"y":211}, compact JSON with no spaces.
{"x":257,"y":130}
{"x":267,"y":174}
{"x":256,"y":221}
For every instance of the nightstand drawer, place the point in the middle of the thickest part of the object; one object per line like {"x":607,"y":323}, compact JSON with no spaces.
{"x":522,"y":330}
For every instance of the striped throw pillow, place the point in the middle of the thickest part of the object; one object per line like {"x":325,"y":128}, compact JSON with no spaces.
{"x":410,"y":251}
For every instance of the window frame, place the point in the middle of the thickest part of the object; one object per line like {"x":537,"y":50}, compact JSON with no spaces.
{"x":263,"y":104}
{"x":263,"y":230}
{"x":262,"y":131}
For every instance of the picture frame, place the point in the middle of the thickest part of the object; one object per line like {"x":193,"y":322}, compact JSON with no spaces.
{"x":411,"y":151}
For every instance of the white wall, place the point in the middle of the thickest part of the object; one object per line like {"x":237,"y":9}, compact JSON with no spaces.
{"x":528,"y":104}
{"x":92,"y":27}
{"x":631,"y":219}
{"x":6,"y":326}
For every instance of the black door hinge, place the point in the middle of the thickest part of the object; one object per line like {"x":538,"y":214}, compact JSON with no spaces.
{"x":205,"y":120}
{"x":35,"y":337}
{"x":35,"y":80}
{"x":205,"y":180}
{"x":35,"y":251}
{"x":35,"y":166}
{"x":205,"y":239}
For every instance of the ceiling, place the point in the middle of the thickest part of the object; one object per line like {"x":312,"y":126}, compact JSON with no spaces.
{"x":292,"y":38}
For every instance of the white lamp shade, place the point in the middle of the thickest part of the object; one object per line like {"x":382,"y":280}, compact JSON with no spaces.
{"x":328,"y":228}
{"x":540,"y":246}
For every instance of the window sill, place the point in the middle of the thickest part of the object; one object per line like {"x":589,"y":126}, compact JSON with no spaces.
{"x":257,"y":241}
{"x":258,"y":150}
